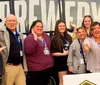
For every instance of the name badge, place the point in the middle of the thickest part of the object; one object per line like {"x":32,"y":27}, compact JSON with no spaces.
{"x":46,"y":51}
{"x":81,"y":61}
{"x":21,"y":53}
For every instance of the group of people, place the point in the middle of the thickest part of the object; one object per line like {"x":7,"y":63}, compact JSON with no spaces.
{"x":36,"y":56}
{"x":84,"y":51}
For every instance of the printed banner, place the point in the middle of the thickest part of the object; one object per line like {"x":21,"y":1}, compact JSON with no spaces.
{"x":82,"y":79}
{"x":48,"y":11}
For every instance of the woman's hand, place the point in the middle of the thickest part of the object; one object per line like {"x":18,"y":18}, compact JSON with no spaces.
{"x":74,"y":26}
{"x":35,"y":35}
{"x":2,"y":48}
{"x":71,"y":69}
{"x":86,"y":48}
{"x":65,"y":52}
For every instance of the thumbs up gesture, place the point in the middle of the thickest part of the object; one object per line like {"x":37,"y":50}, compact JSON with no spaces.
{"x":86,"y":48}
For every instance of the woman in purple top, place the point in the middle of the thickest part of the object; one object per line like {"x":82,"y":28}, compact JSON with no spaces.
{"x":39,"y":59}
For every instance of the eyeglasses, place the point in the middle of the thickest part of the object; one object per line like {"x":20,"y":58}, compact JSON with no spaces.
{"x":12,"y":20}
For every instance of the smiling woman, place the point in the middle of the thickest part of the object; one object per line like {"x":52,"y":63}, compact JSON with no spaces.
{"x":91,"y":47}
{"x":87,"y":21}
{"x":39,"y":59}
{"x":76,"y":58}
{"x":60,"y":44}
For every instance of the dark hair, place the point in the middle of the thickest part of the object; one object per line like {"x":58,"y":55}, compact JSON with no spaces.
{"x":57,"y":35}
{"x":84,"y":19}
{"x":92,"y":27}
{"x":0,"y":20}
{"x":34,"y":23}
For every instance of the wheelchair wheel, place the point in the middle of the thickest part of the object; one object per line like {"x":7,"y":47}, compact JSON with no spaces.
{"x":51,"y":81}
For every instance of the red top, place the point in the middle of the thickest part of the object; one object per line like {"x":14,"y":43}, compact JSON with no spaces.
{"x":35,"y":57}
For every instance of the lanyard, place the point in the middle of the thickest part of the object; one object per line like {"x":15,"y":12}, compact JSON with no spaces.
{"x":81,"y":51}
{"x":44,"y":43}
{"x":16,"y":36}
{"x":67,"y":42}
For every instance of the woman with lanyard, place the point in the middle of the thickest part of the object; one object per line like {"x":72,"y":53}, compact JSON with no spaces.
{"x":38,"y":57}
{"x":60,"y":44}
{"x":76,"y":57}
{"x":91,"y":47}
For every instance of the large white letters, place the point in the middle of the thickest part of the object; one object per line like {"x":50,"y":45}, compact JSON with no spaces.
{"x":4,"y":10}
{"x":95,"y":12}
{"x":48,"y":12}
{"x":20,"y":11}
{"x":68,"y":6}
{"x":32,"y":4}
{"x":83,"y":9}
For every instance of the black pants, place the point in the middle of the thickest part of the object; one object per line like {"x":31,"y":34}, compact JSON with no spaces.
{"x":0,"y":81}
{"x":38,"y":77}
{"x":87,"y":71}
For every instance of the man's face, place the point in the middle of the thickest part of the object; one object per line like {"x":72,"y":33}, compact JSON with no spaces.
{"x":11,"y":22}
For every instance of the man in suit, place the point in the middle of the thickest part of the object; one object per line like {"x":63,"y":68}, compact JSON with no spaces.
{"x":13,"y":55}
